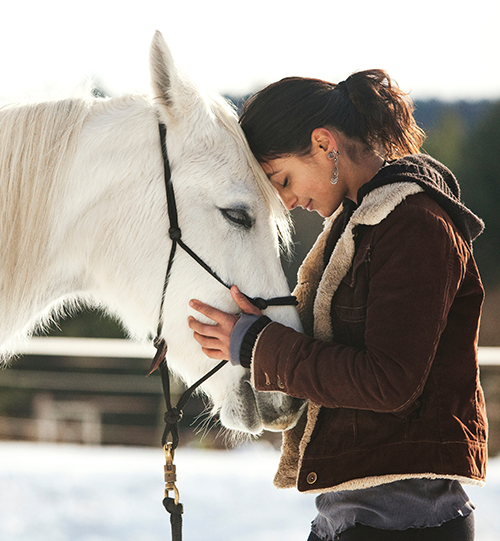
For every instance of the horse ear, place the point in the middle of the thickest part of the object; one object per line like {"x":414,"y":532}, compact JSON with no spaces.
{"x":171,"y":88}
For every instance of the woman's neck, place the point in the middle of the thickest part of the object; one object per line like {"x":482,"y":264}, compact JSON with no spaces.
{"x":357,"y":174}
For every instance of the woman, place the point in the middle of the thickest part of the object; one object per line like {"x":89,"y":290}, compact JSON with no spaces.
{"x":390,"y":299}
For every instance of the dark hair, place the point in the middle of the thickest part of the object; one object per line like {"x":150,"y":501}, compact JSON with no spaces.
{"x":367,"y":107}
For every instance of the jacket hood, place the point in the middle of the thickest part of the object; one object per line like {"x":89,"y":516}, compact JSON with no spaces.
{"x":437,"y":181}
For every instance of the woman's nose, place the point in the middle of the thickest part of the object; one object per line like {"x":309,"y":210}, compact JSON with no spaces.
{"x":289,"y":200}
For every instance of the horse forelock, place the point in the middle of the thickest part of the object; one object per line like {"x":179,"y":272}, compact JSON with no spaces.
{"x":225,"y":114}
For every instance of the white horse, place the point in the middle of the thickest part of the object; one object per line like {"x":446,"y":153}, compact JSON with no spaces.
{"x":83,"y":219}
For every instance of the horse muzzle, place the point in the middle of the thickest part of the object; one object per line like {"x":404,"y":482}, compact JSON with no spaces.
{"x":247,"y":410}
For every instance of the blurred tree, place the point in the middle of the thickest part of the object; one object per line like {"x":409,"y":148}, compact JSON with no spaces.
{"x":446,"y":141}
{"x":466,"y":138}
{"x":480,"y":181}
{"x":307,"y":227}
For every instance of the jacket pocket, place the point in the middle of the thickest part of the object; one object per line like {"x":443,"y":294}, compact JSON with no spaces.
{"x":349,"y":303}
{"x":334,"y":433}
{"x":350,"y":314}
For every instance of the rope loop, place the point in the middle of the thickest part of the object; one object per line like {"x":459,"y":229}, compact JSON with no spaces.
{"x":172,"y":416}
{"x":175,"y":510}
{"x":174,"y":233}
{"x":172,"y":507}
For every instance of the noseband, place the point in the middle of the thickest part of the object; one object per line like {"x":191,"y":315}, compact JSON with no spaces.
{"x":174,"y":414}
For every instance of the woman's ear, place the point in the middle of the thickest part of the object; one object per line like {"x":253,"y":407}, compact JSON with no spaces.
{"x":323,"y":140}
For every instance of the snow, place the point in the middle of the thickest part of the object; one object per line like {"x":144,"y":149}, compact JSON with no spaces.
{"x":52,"y":492}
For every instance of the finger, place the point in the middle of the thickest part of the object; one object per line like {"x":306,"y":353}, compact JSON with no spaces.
{"x":212,"y":347}
{"x":208,"y":342}
{"x":212,"y":313}
{"x":243,"y":303}
{"x":202,"y":328}
{"x":215,"y":354}
{"x":221,"y":332}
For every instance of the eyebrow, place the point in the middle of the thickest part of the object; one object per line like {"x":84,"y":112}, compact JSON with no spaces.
{"x":273,"y":173}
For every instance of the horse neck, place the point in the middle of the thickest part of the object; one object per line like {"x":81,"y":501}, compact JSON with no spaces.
{"x":36,"y":142}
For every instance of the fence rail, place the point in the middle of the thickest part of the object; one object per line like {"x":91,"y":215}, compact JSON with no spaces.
{"x":78,"y":381}
{"x":89,"y":390}
{"x":489,"y":356}
{"x":86,"y":396}
{"x":107,"y":349}
{"x":86,"y":347}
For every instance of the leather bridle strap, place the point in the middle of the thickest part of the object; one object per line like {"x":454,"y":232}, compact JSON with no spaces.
{"x":175,"y":235}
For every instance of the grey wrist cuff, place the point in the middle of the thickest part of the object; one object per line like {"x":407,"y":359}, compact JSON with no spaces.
{"x":238,"y":334}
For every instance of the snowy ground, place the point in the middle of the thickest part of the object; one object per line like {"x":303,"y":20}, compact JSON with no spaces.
{"x":77,"y":493}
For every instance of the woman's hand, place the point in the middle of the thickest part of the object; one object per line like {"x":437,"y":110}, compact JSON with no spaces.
{"x":215,"y":339}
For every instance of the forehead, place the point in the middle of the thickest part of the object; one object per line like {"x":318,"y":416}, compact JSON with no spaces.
{"x":275,"y":166}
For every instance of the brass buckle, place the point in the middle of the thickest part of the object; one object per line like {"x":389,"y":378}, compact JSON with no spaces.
{"x":170,"y":473}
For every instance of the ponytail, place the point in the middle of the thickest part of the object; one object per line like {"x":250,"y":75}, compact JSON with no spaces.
{"x":367,"y":107}
{"x":381,"y":114}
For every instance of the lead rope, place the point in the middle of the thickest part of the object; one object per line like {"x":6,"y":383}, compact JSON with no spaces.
{"x":172,"y":417}
{"x":174,"y":414}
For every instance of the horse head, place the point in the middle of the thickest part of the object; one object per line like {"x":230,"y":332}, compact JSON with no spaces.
{"x":230,"y":216}
{"x":84,"y":220}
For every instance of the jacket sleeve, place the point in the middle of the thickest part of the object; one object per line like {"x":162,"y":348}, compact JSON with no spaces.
{"x":416,"y":267}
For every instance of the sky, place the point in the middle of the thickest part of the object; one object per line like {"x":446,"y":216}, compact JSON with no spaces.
{"x":444,"y":49}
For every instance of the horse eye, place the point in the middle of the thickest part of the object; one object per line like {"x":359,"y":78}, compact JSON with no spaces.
{"x":238,"y":217}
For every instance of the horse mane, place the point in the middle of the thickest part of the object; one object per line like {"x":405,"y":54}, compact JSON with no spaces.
{"x":278,"y":212}
{"x":37,"y":141}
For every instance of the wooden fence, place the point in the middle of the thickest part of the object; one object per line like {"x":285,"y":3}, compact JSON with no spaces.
{"x":95,"y":391}
{"x":82,"y":390}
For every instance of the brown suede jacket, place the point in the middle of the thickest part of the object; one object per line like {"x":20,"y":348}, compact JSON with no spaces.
{"x":388,"y":360}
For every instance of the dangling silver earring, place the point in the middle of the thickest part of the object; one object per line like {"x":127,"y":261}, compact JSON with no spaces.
{"x":333,"y":155}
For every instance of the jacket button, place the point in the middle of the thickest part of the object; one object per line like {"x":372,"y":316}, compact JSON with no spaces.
{"x":281,"y":385}
{"x":312,"y":478}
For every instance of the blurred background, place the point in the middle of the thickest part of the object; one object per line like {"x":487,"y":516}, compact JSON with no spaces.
{"x":445,"y":56}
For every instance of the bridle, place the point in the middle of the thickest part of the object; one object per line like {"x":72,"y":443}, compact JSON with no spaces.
{"x":174,"y":414}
